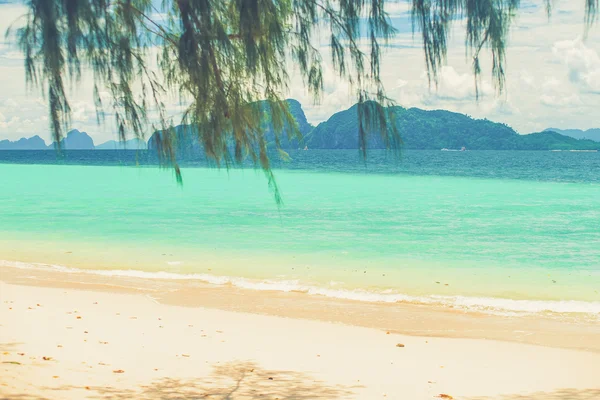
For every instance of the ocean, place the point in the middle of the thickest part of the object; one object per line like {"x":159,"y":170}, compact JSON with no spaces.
{"x":503,"y":232}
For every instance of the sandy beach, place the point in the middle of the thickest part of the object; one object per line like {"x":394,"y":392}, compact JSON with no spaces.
{"x":78,"y":337}
{"x":299,"y":200}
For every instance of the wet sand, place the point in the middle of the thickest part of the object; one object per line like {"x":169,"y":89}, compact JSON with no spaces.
{"x":64,"y":336}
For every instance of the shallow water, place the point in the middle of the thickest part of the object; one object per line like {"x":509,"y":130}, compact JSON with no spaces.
{"x":494,"y":231}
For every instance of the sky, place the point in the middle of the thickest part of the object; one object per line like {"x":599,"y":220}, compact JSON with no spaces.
{"x":553,"y":77}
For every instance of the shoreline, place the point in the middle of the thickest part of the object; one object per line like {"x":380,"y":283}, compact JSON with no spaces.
{"x":400,"y":317}
{"x":572,"y":299}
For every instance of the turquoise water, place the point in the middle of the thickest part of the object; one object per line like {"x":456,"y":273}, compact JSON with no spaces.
{"x":457,"y":230}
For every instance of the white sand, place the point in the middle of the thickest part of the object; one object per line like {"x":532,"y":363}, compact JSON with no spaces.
{"x":171,"y":352}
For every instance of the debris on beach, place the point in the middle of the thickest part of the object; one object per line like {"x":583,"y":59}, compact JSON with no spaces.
{"x":399,"y":345}
{"x":444,"y":396}
{"x":11,"y":362}
{"x":46,"y":358}
{"x":118,"y":371}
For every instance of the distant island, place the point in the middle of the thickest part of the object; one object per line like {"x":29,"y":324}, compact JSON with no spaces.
{"x":438,"y":129}
{"x":591,"y":134}
{"x":75,"y":140}
{"x":131,"y":144}
{"x":188,"y":142}
{"x":32,"y":143}
{"x":419,"y":130}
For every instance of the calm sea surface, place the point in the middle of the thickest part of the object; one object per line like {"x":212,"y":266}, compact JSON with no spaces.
{"x":503,"y":232}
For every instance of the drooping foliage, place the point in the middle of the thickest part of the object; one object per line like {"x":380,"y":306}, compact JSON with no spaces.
{"x":225,"y":59}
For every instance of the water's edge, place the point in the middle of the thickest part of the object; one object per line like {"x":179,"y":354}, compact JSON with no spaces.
{"x":486,"y":305}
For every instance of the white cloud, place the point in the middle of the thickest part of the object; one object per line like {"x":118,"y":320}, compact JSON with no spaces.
{"x":552,"y":84}
{"x":10,"y":103}
{"x":560,"y":101}
{"x":501,"y":107}
{"x":13,"y":122}
{"x":582,"y":62}
{"x":460,"y":86}
{"x":394,"y":8}
{"x":527,"y":79}
{"x":400,"y":83}
{"x":12,"y":55}
{"x":336,"y":95}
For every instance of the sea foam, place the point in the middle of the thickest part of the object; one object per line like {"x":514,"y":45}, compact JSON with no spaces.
{"x":491,"y":305}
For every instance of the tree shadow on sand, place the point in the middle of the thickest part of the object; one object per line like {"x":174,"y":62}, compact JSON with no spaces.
{"x":229,"y":381}
{"x":560,"y":394}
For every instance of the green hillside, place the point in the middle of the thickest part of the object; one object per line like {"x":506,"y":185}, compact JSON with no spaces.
{"x":434,"y":130}
{"x":419,"y":130}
